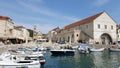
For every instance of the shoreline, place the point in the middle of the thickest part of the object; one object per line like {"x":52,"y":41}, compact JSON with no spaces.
{"x":4,"y":48}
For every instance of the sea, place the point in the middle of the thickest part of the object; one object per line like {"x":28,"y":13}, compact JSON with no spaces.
{"x":104,"y":59}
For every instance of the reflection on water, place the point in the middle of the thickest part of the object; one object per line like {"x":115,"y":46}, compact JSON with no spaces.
{"x":92,"y":60}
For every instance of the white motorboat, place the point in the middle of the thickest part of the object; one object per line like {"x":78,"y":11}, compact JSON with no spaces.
{"x":8,"y":60}
{"x":97,"y":50}
{"x":83,"y":48}
{"x":74,"y":47}
{"x":36,"y":56}
{"x":114,"y":49}
{"x":41,"y":48}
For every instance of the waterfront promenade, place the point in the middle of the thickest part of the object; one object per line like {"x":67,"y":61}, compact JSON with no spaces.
{"x":4,"y":48}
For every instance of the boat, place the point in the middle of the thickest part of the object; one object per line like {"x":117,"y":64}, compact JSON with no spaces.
{"x":114,"y":49}
{"x":37,"y":55}
{"x":74,"y":47}
{"x":62,"y":52}
{"x":34,"y":55}
{"x":97,"y":50}
{"x":83,"y":48}
{"x":13,"y":61}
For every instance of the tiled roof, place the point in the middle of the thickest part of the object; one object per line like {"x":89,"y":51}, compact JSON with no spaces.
{"x":84,"y":21}
{"x":118,"y":26}
{"x":18,"y":27}
{"x":4,"y":18}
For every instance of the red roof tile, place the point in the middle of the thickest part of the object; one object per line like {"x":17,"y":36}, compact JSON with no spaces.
{"x":118,"y":27}
{"x":84,"y":21}
{"x":4,"y":18}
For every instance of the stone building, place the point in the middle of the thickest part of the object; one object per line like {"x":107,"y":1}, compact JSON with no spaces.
{"x":10,"y":32}
{"x":21,"y":34}
{"x":53,"y":35}
{"x":6,"y":26}
{"x":99,"y":29}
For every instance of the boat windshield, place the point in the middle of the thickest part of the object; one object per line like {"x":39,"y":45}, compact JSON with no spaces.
{"x":1,"y":59}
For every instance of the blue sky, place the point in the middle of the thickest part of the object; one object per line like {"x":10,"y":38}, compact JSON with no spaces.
{"x":48,"y":14}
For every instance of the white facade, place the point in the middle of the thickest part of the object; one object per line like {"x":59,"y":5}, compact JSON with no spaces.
{"x":100,"y":29}
{"x":107,"y":26}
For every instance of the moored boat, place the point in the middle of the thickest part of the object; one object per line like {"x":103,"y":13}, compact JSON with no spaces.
{"x":37,"y":56}
{"x":114,"y":49}
{"x":13,"y":61}
{"x":83,"y":48}
{"x":62,"y":52}
{"x":97,"y":50}
{"x":74,"y":47}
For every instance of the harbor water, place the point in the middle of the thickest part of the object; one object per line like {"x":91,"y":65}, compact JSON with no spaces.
{"x":93,"y":60}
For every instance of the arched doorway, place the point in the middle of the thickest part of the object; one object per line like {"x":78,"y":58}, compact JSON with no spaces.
{"x":106,"y":38}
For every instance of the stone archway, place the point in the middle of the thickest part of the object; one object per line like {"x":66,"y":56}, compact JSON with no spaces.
{"x":106,"y":38}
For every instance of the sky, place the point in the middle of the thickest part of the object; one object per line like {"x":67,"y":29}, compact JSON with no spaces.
{"x":49,"y":14}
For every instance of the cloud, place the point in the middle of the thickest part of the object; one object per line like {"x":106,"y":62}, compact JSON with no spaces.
{"x":31,"y":1}
{"x":31,"y":12}
{"x":99,"y":3}
{"x":45,"y":11}
{"x":46,"y":16}
{"x":34,"y":8}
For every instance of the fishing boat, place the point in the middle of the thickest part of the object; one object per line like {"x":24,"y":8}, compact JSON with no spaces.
{"x":97,"y":50}
{"x":7,"y":60}
{"x":62,"y":52}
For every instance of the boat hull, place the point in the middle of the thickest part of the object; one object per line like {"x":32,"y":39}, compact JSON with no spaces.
{"x":22,"y":66}
{"x":12,"y":61}
{"x":114,"y":50}
{"x":97,"y":50}
{"x":61,"y":52}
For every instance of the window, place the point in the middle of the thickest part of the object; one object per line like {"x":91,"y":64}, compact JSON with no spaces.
{"x":105,"y":26}
{"x":77,"y":35}
{"x":86,"y":26}
{"x":72,"y":35}
{"x":98,"y":26}
{"x":111,"y":27}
